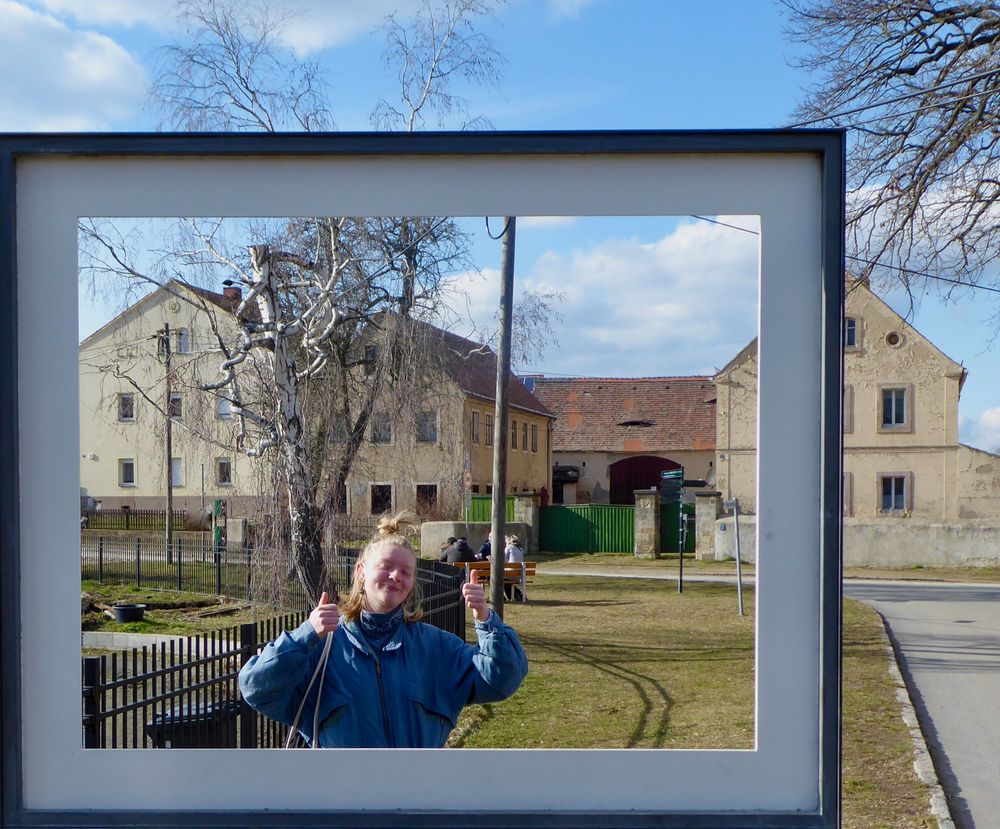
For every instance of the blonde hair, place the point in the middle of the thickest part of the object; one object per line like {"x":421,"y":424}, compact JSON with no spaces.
{"x":391,"y":531}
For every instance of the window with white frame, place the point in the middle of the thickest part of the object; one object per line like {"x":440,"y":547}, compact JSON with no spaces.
{"x":176,"y":472}
{"x":223,"y":472}
{"x":895,"y":491}
{"x":182,"y":341}
{"x":524,"y":437}
{"x":534,"y":437}
{"x":176,"y":408}
{"x":427,"y":430}
{"x":224,"y":409}
{"x":381,"y":428}
{"x":427,"y":499}
{"x":126,"y":407}
{"x":126,"y":472}
{"x":896,"y":408}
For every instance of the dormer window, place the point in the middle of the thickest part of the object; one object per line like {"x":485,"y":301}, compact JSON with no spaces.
{"x":641,"y":423}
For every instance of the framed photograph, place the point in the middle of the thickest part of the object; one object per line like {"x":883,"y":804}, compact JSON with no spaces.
{"x":791,"y":181}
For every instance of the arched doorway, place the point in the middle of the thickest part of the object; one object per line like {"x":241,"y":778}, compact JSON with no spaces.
{"x":640,"y":472}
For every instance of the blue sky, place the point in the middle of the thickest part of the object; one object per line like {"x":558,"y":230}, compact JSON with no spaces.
{"x":570,"y":64}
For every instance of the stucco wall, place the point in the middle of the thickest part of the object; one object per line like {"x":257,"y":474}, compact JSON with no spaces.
{"x":434,"y":533}
{"x":594,"y":486}
{"x":889,"y":543}
{"x":979,"y":483}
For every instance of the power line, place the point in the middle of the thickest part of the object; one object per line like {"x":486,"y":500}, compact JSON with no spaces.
{"x":944,"y":103}
{"x":976,"y":77}
{"x":724,"y":224}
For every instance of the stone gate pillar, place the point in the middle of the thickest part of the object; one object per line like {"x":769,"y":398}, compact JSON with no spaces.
{"x":647,"y":523}
{"x":707,"y":508}
{"x":526,"y":511}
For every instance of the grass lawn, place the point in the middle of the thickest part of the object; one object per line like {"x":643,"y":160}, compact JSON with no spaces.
{"x":631,"y":663}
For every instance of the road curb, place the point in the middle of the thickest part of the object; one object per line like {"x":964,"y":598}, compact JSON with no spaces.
{"x":923,"y":764}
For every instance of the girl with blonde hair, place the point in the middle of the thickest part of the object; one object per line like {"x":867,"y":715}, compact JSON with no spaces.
{"x":385,"y":679}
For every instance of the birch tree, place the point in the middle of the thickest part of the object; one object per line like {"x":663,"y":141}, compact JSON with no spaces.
{"x":320,"y":294}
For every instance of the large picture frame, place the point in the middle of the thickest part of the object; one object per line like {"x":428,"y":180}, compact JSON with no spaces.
{"x":792,"y":180}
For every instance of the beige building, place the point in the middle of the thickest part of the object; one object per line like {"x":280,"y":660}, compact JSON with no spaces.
{"x":124,"y":410}
{"x":902,"y":456}
{"x":428,"y":464}
{"x":613,"y":436}
{"x":418,"y":459}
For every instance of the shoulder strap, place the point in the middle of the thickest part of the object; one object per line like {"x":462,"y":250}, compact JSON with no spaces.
{"x":319,"y":672}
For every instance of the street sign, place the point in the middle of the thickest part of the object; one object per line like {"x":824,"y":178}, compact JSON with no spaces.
{"x":467,"y":480}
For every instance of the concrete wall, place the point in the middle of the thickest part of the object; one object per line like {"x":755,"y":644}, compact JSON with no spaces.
{"x":887,"y":543}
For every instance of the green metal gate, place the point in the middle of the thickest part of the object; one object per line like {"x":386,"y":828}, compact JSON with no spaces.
{"x":669,"y":530}
{"x":587,"y":528}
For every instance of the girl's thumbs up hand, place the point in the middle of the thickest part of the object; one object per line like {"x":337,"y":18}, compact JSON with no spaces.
{"x":325,"y":617}
{"x":475,"y":597}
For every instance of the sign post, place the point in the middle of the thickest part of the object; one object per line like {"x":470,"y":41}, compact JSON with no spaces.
{"x":733,"y":505}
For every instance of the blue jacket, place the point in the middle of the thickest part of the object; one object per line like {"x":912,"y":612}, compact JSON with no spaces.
{"x":408,"y":697}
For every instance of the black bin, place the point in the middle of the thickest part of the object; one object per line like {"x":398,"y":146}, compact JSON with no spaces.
{"x":203,"y":726}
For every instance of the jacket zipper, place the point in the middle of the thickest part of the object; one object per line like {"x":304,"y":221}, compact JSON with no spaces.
{"x":381,"y":693}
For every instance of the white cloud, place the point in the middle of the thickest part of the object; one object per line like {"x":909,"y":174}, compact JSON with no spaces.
{"x":984,"y":431}
{"x":685,"y":303}
{"x":567,"y":8}
{"x":527,"y":222}
{"x":59,"y":79}
{"x":312,"y":24}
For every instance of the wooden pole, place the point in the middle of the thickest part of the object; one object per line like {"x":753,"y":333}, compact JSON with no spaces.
{"x":500,"y":437}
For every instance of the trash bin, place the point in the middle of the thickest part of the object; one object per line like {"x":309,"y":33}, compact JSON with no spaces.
{"x":208,"y":725}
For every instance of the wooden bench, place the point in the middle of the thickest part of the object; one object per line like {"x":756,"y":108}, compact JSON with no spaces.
{"x":517,"y":574}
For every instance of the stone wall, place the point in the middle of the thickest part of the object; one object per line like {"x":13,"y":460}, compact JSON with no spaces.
{"x":434,"y":533}
{"x":890,"y":543}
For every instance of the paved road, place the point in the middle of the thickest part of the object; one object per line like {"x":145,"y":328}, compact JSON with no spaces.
{"x":949,"y":637}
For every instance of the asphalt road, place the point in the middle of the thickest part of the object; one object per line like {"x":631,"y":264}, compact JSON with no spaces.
{"x":948,"y":636}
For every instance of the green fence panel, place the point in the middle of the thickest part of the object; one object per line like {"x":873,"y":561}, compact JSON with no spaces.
{"x":481,"y":508}
{"x":587,"y":528}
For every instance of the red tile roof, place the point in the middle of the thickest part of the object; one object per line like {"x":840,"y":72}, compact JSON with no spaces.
{"x":473,"y":367}
{"x":633,"y":414}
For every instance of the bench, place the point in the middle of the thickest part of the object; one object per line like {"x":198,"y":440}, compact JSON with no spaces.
{"x":517,"y":573}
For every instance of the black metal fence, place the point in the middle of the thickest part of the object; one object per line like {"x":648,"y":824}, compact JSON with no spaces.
{"x":127,"y":518}
{"x":184,"y":694}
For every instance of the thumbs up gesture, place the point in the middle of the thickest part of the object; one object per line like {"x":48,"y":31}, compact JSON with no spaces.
{"x":325,"y":617}
{"x":475,"y":597}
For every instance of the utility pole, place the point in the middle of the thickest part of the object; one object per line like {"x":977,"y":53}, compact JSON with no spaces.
{"x":500,"y":437}
{"x":169,"y":447}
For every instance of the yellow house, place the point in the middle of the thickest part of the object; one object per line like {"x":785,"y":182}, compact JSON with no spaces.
{"x":420,"y":458}
{"x":124,"y":409}
{"x":902,"y":456}
{"x":427,"y":460}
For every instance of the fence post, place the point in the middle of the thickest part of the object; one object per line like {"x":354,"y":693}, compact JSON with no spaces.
{"x":248,"y":717}
{"x":91,"y":691}
{"x":138,"y":562}
{"x":100,"y":559}
{"x":249,"y":552}
{"x":180,"y":580}
{"x":218,"y":571}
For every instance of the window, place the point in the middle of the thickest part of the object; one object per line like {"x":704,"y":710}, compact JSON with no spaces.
{"x":381,"y":429}
{"x":848,"y":493}
{"x":427,"y":430}
{"x":126,"y":472}
{"x":176,"y":407}
{"x":176,"y":472}
{"x":848,"y":409}
{"x":381,"y":495}
{"x":126,"y":407}
{"x":524,"y":437}
{"x":850,"y":333}
{"x":224,"y":409}
{"x":475,"y":427}
{"x":534,"y":437}
{"x":513,"y":434}
{"x":895,"y":492}
{"x":895,"y":414}
{"x":427,"y":495}
{"x":182,"y":341}
{"x":489,"y":429}
{"x":223,"y":471}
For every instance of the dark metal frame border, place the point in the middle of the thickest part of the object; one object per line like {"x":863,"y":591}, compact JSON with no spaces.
{"x":826,"y":145}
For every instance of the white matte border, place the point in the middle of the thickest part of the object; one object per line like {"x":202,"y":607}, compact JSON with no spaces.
{"x":781,"y":774}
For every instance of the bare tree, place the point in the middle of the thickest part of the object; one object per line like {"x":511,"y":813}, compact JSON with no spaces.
{"x":918,"y":83}
{"x":322,"y":322}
